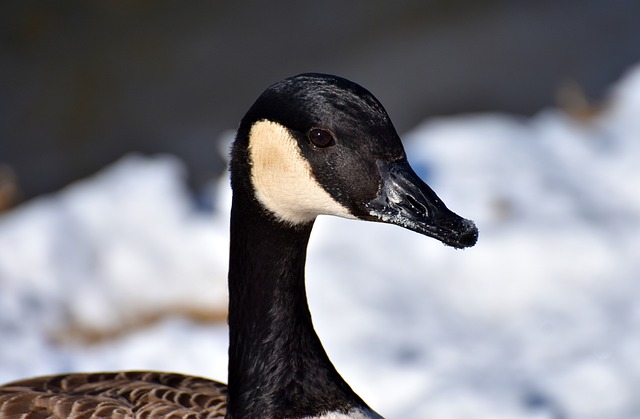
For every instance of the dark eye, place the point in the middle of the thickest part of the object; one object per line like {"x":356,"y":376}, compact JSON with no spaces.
{"x":320,"y":137}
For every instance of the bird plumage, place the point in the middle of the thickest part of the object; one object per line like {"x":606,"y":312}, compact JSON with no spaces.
{"x":131,"y":394}
{"x":311,"y":144}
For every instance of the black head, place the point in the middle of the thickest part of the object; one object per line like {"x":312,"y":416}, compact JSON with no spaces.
{"x":319,"y":144}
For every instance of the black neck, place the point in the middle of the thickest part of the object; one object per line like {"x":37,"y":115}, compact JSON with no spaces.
{"x":277,"y":365}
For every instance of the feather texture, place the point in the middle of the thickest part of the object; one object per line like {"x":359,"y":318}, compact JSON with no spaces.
{"x":130,"y":394}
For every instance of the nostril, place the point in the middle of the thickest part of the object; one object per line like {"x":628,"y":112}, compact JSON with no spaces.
{"x":421,"y":208}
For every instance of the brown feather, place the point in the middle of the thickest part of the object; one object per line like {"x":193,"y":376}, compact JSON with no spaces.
{"x":131,"y":394}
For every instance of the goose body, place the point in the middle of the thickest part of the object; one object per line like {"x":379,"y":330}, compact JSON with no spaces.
{"x":311,"y":144}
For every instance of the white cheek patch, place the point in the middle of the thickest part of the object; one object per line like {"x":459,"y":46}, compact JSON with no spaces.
{"x":282,"y":178}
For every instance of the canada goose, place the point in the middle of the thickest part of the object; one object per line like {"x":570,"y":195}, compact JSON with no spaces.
{"x":311,"y":144}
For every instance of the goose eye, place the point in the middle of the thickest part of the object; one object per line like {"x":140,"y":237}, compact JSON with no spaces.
{"x":320,"y":138}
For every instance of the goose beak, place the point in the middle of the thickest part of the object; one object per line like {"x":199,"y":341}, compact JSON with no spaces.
{"x":405,"y":200}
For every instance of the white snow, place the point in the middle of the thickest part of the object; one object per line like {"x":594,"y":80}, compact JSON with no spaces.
{"x":539,"y":320}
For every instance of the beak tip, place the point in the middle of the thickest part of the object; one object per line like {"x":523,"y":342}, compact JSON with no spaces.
{"x":467,"y":235}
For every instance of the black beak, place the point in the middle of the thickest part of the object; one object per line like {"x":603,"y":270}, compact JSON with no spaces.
{"x":405,"y":200}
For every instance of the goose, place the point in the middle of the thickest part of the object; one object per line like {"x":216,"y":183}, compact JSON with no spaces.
{"x":311,"y":144}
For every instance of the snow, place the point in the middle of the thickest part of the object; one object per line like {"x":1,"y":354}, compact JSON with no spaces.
{"x":539,"y":320}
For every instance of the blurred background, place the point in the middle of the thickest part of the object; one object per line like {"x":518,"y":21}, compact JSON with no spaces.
{"x":84,"y":82}
{"x":115,"y":121}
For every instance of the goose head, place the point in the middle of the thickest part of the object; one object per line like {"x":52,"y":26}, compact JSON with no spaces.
{"x":319,"y":144}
